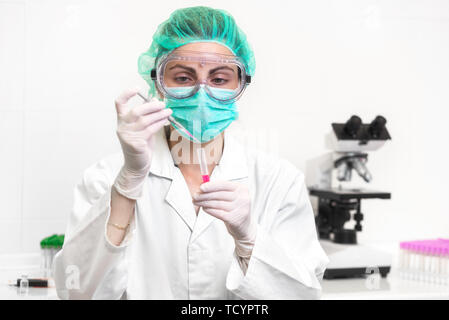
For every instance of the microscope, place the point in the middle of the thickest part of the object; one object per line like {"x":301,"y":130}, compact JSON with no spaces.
{"x":337,"y":179}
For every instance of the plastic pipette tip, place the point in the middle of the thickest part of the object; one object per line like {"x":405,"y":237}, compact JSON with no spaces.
{"x":179,"y":126}
{"x":142,"y":96}
{"x":172,"y":120}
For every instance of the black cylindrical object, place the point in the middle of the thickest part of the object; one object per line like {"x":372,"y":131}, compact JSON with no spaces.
{"x":376,"y":126}
{"x":345,"y":236}
{"x":38,"y":283}
{"x":352,"y":126}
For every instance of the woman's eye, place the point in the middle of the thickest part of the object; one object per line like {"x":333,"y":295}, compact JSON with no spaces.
{"x":219,"y":81}
{"x":182,"y":79}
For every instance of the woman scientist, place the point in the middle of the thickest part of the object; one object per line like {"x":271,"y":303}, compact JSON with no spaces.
{"x":145,"y":226}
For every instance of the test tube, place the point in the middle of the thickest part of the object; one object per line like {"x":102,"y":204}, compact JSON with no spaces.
{"x":24,"y":285}
{"x":203,"y":164}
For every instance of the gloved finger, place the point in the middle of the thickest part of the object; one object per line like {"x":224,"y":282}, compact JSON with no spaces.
{"x":217,"y":213}
{"x":149,"y":107}
{"x":213,"y":186}
{"x":215,"y":204}
{"x":153,"y":128}
{"x":122,"y":99}
{"x":217,"y":195}
{"x":145,"y":121}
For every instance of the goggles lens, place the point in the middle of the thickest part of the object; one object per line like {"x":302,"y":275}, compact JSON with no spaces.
{"x":180,"y":76}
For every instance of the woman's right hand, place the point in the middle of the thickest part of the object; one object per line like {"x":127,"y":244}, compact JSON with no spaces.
{"x":135,"y":129}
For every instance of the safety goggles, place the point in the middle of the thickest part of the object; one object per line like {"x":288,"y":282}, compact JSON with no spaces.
{"x":180,"y":75}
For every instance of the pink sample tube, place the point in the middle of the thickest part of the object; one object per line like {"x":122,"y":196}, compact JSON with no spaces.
{"x":203,"y":164}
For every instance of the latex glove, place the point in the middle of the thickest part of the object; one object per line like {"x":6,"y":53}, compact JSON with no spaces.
{"x":135,"y":129}
{"x":230,"y":202}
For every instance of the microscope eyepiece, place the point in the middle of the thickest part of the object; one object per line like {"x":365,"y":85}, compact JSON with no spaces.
{"x":352,"y":126}
{"x":376,"y":126}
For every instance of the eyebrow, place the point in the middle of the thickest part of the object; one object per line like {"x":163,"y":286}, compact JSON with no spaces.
{"x":221,"y":67}
{"x":183,"y":67}
{"x":192,"y":70}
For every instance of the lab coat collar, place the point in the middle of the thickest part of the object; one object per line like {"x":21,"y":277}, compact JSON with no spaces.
{"x":232,"y":165}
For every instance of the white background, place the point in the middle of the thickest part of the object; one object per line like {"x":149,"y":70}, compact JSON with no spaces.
{"x":62,"y":63}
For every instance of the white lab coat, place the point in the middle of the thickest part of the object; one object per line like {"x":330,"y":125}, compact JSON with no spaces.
{"x":171,"y":253}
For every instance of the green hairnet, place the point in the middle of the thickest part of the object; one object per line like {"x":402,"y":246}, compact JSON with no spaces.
{"x":195,"y":24}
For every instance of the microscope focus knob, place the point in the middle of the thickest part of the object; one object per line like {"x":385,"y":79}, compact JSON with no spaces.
{"x":358,"y":217}
{"x":352,"y":126}
{"x":376,"y":126}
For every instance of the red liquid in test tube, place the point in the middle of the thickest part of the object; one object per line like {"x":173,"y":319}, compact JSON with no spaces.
{"x":203,"y":164}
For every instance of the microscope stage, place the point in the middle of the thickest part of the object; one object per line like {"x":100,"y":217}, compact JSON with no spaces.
{"x":345,"y":194}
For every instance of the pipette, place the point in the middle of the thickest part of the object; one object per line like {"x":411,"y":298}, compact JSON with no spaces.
{"x":201,"y":153}
{"x":203,"y":164}
{"x":172,"y":121}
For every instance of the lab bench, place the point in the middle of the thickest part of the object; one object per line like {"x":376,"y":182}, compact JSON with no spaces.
{"x":392,"y":287}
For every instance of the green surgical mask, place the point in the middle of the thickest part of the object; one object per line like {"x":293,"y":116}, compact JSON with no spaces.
{"x":204,"y":117}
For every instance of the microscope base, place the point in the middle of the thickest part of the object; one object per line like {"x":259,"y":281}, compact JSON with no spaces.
{"x":354,"y":261}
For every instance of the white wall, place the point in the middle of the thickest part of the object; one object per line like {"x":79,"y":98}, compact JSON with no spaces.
{"x":63,"y":62}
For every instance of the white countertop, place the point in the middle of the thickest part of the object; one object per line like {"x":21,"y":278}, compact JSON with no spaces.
{"x":392,"y":287}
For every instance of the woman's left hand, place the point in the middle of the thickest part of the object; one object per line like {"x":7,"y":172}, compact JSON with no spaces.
{"x":230,"y":202}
